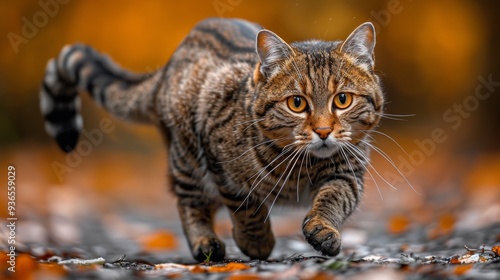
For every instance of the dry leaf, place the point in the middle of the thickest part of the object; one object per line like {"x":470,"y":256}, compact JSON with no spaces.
{"x":321,"y":275}
{"x":25,"y":267}
{"x":159,"y":241}
{"x":198,"y":269}
{"x":454,"y":260}
{"x":245,"y":277}
{"x":52,"y":269}
{"x":232,"y":266}
{"x":445,"y":226}
{"x":398,"y":224}
{"x":496,"y":250}
{"x":462,"y":269}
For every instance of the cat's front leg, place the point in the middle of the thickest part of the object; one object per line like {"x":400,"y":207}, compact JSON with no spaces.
{"x":251,"y":230}
{"x":197,"y":223}
{"x":197,"y":212}
{"x":333,"y":203}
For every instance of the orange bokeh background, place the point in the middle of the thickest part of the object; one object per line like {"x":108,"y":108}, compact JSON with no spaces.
{"x":431,"y":55}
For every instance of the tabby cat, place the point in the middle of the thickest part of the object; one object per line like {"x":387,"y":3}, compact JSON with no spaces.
{"x":249,"y":121}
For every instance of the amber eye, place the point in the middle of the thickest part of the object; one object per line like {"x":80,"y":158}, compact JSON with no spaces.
{"x":342,"y":100}
{"x":297,"y":104}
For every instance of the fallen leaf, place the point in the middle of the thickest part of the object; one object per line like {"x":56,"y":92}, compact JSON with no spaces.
{"x":232,"y":266}
{"x":496,"y":250}
{"x":52,"y":269}
{"x":321,"y":275}
{"x":469,"y":258}
{"x":454,"y":260}
{"x":462,"y":269}
{"x":445,"y":226}
{"x":198,"y":269}
{"x":159,"y":241}
{"x":398,"y":224}
{"x":25,"y":267}
{"x":245,"y":277}
{"x":447,"y":223}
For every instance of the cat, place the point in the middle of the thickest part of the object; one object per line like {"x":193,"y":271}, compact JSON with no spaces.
{"x":248,"y":120}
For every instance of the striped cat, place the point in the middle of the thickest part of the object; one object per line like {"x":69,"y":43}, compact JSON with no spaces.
{"x":249,"y":121}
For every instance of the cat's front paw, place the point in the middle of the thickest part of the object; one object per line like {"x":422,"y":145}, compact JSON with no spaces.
{"x":322,"y":235}
{"x":208,"y":249}
{"x":256,"y":246}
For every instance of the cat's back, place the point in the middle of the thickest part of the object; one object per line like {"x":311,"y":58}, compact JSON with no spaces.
{"x":219,"y":40}
{"x":215,"y":54}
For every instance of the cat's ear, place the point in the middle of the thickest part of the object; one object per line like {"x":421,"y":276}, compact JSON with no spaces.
{"x":272,"y":51}
{"x":361,"y":43}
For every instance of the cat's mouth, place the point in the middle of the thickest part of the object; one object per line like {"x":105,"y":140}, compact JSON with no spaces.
{"x":323,"y":149}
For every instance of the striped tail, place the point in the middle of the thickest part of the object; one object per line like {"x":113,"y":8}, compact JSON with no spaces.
{"x":80,"y":68}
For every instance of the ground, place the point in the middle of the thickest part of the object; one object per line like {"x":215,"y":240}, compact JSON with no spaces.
{"x":101,"y":223}
{"x":418,"y":253}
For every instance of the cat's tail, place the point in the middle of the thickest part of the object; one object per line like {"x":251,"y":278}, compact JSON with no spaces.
{"x":80,"y":68}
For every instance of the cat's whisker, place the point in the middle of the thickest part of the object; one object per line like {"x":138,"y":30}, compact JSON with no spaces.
{"x":300,"y":171}
{"x":376,"y":184}
{"x":253,"y":123}
{"x":254,"y":185}
{"x":283,"y":152}
{"x":249,"y":121}
{"x":367,"y":170}
{"x":386,"y":156}
{"x":394,"y":117}
{"x":389,"y":137}
{"x":248,"y":150}
{"x":355,"y":150}
{"x":307,"y":171}
{"x":300,"y":151}
{"x":346,"y":157}
{"x":295,"y":157}
{"x":388,"y":159}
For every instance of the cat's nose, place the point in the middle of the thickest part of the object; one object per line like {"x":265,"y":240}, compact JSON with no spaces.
{"x":323,"y":132}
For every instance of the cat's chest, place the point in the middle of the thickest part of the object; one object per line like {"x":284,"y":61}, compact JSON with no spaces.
{"x":271,"y":174}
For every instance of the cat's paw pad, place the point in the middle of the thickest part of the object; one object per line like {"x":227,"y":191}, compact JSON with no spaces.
{"x":256,"y":247}
{"x":322,"y":235}
{"x":209,"y":249}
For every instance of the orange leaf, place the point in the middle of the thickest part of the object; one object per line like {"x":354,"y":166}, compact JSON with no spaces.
{"x":398,"y":224}
{"x":198,"y":269}
{"x":25,"y":267}
{"x":462,"y":269}
{"x":232,"y":266}
{"x":245,"y":277}
{"x":159,"y":241}
{"x":496,"y":250}
{"x":52,"y":269}
{"x":455,"y":260}
{"x":447,"y":223}
{"x":321,"y":276}
{"x":445,"y":226}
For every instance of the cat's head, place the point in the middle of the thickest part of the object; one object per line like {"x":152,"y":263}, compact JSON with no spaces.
{"x":316,"y":94}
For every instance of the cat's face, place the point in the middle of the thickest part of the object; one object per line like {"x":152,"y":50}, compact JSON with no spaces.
{"x":317,"y":95}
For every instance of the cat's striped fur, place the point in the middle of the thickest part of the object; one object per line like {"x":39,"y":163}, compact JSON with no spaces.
{"x":227,"y":103}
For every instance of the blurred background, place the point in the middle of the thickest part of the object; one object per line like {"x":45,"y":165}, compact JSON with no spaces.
{"x":439,"y":62}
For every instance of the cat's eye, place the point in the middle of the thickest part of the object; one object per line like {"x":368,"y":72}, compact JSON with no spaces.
{"x":342,"y":100}
{"x":297,"y":104}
